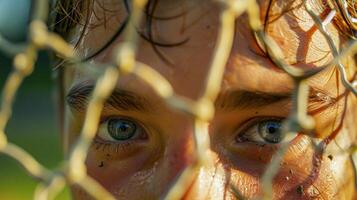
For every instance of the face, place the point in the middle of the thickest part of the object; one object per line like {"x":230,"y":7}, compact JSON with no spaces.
{"x":142,"y":145}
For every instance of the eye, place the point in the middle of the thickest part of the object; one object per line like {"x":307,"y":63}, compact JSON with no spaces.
{"x":120,"y":129}
{"x":265,"y":131}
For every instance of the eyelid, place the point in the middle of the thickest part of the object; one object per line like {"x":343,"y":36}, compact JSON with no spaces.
{"x":117,"y":150}
{"x":140,"y":127}
{"x":252,"y":121}
{"x":121,"y":149}
{"x":250,"y":124}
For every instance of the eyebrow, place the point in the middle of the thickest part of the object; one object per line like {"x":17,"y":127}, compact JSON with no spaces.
{"x":123,"y":100}
{"x":244,"y":99}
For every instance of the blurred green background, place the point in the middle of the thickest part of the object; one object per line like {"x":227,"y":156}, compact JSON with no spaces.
{"x":33,"y":127}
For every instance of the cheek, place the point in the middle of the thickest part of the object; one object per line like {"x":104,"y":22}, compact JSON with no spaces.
{"x":304,"y":173}
{"x":149,"y":170}
{"x":111,"y":172}
{"x":314,"y":175}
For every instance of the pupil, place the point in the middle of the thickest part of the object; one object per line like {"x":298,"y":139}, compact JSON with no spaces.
{"x":123,"y":127}
{"x":271,"y":129}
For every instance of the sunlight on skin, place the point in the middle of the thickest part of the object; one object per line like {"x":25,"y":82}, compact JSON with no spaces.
{"x":144,"y":166}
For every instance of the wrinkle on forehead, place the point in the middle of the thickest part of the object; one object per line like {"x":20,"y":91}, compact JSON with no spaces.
{"x":245,"y":74}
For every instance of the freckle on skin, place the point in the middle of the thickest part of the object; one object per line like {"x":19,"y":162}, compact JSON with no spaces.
{"x":101,"y":164}
{"x":330,"y":157}
{"x":290,"y":171}
{"x":300,"y":190}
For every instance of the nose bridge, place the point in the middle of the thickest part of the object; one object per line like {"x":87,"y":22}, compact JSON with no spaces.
{"x":210,"y":183}
{"x":180,"y":147}
{"x":181,"y":152}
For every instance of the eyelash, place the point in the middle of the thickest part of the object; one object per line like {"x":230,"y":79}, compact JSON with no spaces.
{"x":117,"y":146}
{"x":110,"y":147}
{"x":243,"y":134}
{"x":127,"y":145}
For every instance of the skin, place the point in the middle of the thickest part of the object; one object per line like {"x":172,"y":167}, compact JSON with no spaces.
{"x":145,"y":167}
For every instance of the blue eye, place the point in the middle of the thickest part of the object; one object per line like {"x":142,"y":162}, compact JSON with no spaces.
{"x":265,"y":131}
{"x":121,"y":129}
{"x":270,"y":131}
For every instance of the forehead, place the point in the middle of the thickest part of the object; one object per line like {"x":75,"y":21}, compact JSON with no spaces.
{"x":197,"y":23}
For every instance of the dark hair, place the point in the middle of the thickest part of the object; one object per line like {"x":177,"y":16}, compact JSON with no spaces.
{"x":77,"y":12}
{"x":71,"y":13}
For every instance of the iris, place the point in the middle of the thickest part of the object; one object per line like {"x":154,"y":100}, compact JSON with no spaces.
{"x":270,"y":131}
{"x":121,"y":129}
